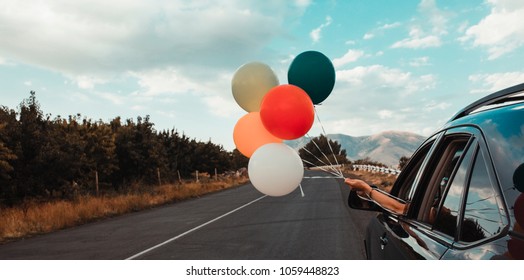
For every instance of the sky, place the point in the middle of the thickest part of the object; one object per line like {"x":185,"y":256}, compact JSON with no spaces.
{"x":400,"y":65}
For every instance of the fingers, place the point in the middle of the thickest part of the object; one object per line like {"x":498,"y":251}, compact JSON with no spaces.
{"x":352,"y":182}
{"x":356,"y":184}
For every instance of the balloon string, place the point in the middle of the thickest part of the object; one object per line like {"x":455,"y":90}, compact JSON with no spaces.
{"x":339,"y":172}
{"x":324,"y":169}
{"x":330,"y":165}
{"x":324,"y":131}
{"x":301,"y":191}
{"x":320,"y":167}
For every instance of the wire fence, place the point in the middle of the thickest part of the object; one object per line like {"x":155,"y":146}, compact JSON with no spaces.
{"x":374,"y":169}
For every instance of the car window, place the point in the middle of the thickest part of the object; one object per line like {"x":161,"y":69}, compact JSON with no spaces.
{"x":414,"y":169}
{"x":444,"y":216}
{"x":482,"y":213}
{"x":506,"y":146}
{"x":443,"y":165}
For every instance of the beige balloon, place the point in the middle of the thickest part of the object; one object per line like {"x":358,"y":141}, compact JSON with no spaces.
{"x":250,"y":84}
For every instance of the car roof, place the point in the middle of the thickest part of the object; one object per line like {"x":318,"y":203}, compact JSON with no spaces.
{"x":500,"y":98}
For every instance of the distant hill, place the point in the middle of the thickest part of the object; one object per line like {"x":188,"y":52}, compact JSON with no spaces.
{"x":386,"y":147}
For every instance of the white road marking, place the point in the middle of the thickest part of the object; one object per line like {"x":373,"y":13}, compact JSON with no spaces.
{"x":193,"y":229}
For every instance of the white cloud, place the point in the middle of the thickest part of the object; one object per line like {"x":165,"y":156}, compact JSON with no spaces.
{"x":385,"y":114}
{"x":348,"y":57}
{"x":220,"y":106}
{"x":488,"y":83}
{"x":500,"y":32}
{"x":438,"y":19}
{"x":368,"y":36}
{"x":165,"y":81}
{"x":138,"y":108}
{"x":390,"y":25}
{"x":402,"y":83}
{"x":355,"y":126}
{"x":116,"y":99}
{"x":420,"y":61}
{"x":426,"y":31}
{"x":371,"y":99}
{"x":380,"y":30}
{"x":287,"y":60}
{"x":171,"y":84}
{"x":4,"y":61}
{"x":434,"y":105}
{"x":463,"y":27}
{"x":315,"y":34}
{"x":87,"y":81}
{"x":98,"y":37}
{"x":78,"y":97}
{"x":28,"y":83}
{"x":303,"y":3}
{"x":418,"y":42}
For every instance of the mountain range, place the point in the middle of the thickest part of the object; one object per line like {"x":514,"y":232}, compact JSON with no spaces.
{"x":386,"y":147}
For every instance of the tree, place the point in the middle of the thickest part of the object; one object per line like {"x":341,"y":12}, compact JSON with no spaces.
{"x":368,"y":161}
{"x":30,"y":136}
{"x":42,"y":157}
{"x":99,"y":149}
{"x":321,"y":151}
{"x":238,"y":160}
{"x":6,"y":154}
{"x":402,"y":162}
{"x":209,"y":156}
{"x":9,"y":131}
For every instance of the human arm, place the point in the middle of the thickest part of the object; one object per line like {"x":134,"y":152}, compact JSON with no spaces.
{"x":364,"y":189}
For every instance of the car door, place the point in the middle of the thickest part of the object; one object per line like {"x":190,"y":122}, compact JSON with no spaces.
{"x":482,"y":217}
{"x":416,"y":235}
{"x":385,"y":234}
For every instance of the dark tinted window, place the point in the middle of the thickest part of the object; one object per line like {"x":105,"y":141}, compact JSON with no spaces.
{"x":482,"y":216}
{"x":414,"y":169}
{"x":446,"y":220}
{"x":444,"y":163}
{"x":504,"y":130}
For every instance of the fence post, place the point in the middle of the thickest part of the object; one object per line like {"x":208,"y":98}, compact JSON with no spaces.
{"x":158,"y":175}
{"x":196,"y":176}
{"x":216,"y":174}
{"x":96,"y":181}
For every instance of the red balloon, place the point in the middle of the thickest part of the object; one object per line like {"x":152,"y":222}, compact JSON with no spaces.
{"x":287,"y":112}
{"x":516,"y":248}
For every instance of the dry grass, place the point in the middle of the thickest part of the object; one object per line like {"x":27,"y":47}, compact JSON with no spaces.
{"x":37,"y":217}
{"x":41,"y":217}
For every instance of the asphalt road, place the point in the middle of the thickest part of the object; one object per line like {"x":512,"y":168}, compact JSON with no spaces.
{"x":235,"y":224}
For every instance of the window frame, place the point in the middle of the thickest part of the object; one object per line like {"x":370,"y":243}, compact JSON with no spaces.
{"x":423,"y":176}
{"x":426,"y":173}
{"x":481,"y":147}
{"x":432,"y":142}
{"x":470,"y":147}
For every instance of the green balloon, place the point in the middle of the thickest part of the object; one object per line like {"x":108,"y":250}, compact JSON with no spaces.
{"x":314,"y":73}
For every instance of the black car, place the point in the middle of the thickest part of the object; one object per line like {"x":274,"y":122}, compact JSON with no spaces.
{"x":463,"y":189}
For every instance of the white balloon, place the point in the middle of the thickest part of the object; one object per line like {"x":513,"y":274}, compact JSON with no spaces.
{"x":275,"y":169}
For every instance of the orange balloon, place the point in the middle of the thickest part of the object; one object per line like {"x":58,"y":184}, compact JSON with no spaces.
{"x":249,"y":134}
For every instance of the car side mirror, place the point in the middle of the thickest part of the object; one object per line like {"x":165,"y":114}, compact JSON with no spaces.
{"x":355,"y":202}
